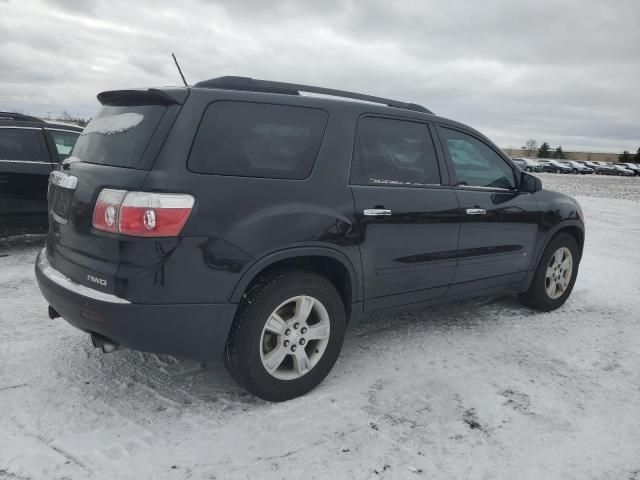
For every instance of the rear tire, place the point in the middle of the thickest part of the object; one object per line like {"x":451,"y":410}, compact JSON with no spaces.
{"x":267,"y":352}
{"x":541,"y":294}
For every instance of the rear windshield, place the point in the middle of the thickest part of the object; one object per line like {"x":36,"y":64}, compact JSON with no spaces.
{"x":257,"y":140}
{"x":118,"y":136}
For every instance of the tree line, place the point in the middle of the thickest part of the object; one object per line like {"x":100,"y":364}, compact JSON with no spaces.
{"x":545,"y":151}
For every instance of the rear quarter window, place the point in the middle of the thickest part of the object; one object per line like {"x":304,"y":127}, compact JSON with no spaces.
{"x":64,"y":142}
{"x":257,"y":140}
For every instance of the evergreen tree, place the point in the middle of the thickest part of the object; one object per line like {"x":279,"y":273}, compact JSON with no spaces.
{"x":544,"y":150}
{"x":558,"y":153}
{"x":625,"y":157}
{"x":636,"y":157}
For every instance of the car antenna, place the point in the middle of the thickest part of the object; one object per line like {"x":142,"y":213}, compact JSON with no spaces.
{"x":179,"y":70}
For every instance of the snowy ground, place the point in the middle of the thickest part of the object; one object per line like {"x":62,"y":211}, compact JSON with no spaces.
{"x":485,"y":389}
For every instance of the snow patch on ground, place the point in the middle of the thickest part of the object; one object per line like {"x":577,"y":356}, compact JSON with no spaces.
{"x":481,"y":389}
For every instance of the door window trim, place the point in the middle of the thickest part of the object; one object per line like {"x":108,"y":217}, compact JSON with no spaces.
{"x":442,"y":167}
{"x":63,"y":130}
{"x":451,"y":166}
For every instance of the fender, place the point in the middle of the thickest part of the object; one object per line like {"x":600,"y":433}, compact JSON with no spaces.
{"x":551,"y":233}
{"x":294,"y":252}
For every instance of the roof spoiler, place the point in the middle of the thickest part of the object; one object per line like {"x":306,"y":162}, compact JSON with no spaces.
{"x":151,"y":96}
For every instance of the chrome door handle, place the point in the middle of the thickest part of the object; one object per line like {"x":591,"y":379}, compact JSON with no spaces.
{"x":476,"y":211}
{"x":374,"y":212}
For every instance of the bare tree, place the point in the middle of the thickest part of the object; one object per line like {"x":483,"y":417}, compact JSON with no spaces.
{"x":531,"y":146}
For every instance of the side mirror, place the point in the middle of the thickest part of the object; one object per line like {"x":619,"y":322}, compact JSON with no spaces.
{"x":529,"y":183}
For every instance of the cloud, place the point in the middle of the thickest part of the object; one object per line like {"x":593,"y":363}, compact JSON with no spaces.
{"x":561,"y":71}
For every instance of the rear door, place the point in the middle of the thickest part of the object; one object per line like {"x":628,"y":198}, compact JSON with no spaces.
{"x":407,"y":220}
{"x":499,"y":224}
{"x":24,"y":170}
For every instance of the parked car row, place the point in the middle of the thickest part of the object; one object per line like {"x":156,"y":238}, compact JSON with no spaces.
{"x":30,"y":148}
{"x":577,"y":167}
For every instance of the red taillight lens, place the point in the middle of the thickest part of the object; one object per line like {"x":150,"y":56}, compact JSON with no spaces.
{"x":107,"y":211}
{"x":142,"y":214}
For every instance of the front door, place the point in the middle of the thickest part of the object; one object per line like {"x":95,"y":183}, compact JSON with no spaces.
{"x":499,"y":224}
{"x":407,"y":220}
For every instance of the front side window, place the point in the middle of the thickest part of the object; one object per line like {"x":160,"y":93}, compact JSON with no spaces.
{"x":22,"y":144}
{"x":475,"y":163}
{"x":64,"y":142}
{"x":394,"y":152}
{"x":257,"y":140}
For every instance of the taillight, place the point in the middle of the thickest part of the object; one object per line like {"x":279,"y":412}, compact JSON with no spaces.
{"x":142,"y":214}
{"x":107,"y":210}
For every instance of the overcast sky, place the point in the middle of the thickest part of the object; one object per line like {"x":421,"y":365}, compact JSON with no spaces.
{"x":567,"y":72}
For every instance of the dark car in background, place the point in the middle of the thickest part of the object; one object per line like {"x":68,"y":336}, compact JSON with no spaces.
{"x":241,"y":220}
{"x":30,"y":148}
{"x":527,"y":165}
{"x":607,"y":168}
{"x":623,"y":170}
{"x":601,"y":168}
{"x":634,"y":167}
{"x":577,"y":167}
{"x":553,"y":166}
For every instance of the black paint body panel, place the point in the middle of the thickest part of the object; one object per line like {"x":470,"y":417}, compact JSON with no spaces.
{"x":427,"y":250}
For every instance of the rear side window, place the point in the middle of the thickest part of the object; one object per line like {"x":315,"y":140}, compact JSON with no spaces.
{"x":257,"y":140}
{"x":22,"y":144}
{"x":64,"y":142}
{"x":118,"y":136}
{"x":394,"y":152}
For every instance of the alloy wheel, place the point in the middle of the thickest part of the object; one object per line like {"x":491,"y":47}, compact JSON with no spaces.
{"x":559,"y":272}
{"x":294,"y":337}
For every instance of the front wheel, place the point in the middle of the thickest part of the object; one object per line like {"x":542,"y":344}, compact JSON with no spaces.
{"x":555,"y":275}
{"x":574,"y":171}
{"x":287,"y":335}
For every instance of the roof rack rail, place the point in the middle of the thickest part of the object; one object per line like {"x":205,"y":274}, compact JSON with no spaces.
{"x":19,"y":116}
{"x":255,"y":85}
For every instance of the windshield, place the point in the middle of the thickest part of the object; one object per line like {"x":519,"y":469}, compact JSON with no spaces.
{"x":118,"y":136}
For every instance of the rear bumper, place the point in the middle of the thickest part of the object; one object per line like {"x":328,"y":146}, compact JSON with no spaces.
{"x":197,"y":331}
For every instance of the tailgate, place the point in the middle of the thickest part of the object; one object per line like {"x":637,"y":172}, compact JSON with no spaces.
{"x":116,"y":150}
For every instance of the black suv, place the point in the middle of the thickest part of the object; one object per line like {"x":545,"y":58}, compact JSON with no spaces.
{"x":30,"y":148}
{"x":241,"y":219}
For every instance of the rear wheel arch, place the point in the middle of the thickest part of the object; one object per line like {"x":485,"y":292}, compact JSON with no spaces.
{"x":329,"y":263}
